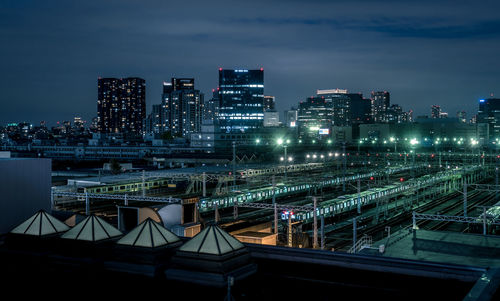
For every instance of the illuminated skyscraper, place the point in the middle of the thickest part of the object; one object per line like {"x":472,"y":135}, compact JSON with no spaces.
{"x":121,"y":105}
{"x":182,"y":107}
{"x":241,"y":95}
{"x":381,"y":100}
{"x":315,"y":115}
{"x":489,"y":112}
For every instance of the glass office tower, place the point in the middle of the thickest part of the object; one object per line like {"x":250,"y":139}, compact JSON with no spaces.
{"x":241,"y":94}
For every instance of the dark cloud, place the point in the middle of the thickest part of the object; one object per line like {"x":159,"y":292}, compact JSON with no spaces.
{"x":424,"y":52}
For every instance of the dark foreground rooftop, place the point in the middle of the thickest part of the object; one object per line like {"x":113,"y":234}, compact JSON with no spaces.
{"x":282,"y":273}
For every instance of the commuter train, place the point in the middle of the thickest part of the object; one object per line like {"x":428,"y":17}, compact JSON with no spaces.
{"x":122,"y":188}
{"x":266,"y":193}
{"x":492,"y":213}
{"x":350,"y":202}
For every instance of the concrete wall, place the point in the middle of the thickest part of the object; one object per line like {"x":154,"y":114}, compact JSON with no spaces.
{"x":25,"y":186}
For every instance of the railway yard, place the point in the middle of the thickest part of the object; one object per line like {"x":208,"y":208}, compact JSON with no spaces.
{"x":357,"y":200}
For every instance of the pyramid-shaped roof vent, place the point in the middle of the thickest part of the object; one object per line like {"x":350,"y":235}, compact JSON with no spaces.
{"x":149,"y":234}
{"x":92,"y":228}
{"x":40,"y":224}
{"x":212,"y":240}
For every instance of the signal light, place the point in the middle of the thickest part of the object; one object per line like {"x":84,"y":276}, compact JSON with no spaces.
{"x":372,"y":178}
{"x":401,"y":179}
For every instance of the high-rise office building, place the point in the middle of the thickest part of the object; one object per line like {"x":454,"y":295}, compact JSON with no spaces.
{"x":291,"y":117}
{"x":314,"y":116}
{"x":462,"y":116}
{"x":360,"y":108}
{"x":347,"y":108}
{"x":153,"y":123}
{"x":241,"y":95}
{"x":121,"y":105}
{"x":211,"y":107}
{"x":435,"y":111}
{"x":269,"y":103}
{"x":181,"y":107}
{"x":381,"y":101}
{"x":489,"y":112}
{"x":395,"y":114}
{"x":271,"y":118}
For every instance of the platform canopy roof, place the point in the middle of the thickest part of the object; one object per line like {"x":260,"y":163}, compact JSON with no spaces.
{"x":40,"y":224}
{"x":149,"y":234}
{"x":212,"y":240}
{"x":92,"y":228}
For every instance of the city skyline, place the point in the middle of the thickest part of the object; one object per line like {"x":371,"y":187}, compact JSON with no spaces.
{"x":422,"y":54}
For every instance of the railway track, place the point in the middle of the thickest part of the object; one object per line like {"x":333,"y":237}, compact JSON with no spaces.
{"x":343,"y":240}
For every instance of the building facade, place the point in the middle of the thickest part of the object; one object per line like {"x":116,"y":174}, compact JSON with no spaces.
{"x":381,"y":101}
{"x":269,"y":103}
{"x":489,"y":113}
{"x":181,"y":107}
{"x":314,"y":115}
{"x":121,"y":105}
{"x":241,"y":95}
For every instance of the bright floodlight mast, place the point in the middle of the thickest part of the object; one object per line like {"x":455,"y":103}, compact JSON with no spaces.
{"x":280,"y":141}
{"x":413,"y":143}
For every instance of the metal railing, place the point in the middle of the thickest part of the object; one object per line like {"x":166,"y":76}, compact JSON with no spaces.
{"x":364,"y":242}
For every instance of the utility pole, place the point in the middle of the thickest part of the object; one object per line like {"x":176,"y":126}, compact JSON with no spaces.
{"x":274,"y":189}
{"x":234,"y":164}
{"x":359,"y":195}
{"x":322,"y":232}
{"x":204,"y":184}
{"x":52,"y":206}
{"x":87,"y":204}
{"x":344,"y":166}
{"x":143,"y":184}
{"x":315,"y":224}
{"x":484,"y":220}
{"x":465,"y":198}
{"x":286,"y":161}
{"x":354,"y":233}
{"x":275,"y":218}
{"x":413,"y":165}
{"x":496,"y":182}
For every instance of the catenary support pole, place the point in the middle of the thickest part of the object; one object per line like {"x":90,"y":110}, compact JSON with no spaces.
{"x":322,"y":232}
{"x":204,"y":184}
{"x":315,"y":224}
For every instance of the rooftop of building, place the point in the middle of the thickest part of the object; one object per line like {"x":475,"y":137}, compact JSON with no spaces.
{"x":443,"y":247}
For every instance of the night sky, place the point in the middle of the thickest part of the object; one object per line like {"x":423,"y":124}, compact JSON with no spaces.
{"x":423,"y":52}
